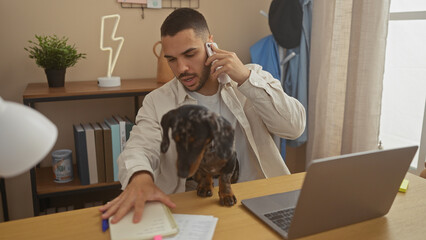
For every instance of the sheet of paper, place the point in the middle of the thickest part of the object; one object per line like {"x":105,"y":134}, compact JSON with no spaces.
{"x":194,"y":227}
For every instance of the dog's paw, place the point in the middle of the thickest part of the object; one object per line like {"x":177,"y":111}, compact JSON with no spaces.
{"x":228,"y":200}
{"x":204,"y":192}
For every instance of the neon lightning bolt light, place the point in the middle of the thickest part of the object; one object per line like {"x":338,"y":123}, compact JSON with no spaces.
{"x":110,"y":81}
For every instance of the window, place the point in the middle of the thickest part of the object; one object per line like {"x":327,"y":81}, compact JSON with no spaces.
{"x":404,"y":83}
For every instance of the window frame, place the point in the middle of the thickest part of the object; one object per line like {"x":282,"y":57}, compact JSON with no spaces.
{"x":415,"y":15}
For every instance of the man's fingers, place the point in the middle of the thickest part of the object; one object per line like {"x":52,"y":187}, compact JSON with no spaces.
{"x":219,"y":54}
{"x":120,"y":213}
{"x":106,"y":206}
{"x":112,"y":208}
{"x":210,"y":60}
{"x":134,"y":197}
{"x":165,"y":199}
{"x":109,"y":208}
{"x":138,"y":210}
{"x":224,"y":69}
{"x":217,"y":50}
{"x":168,"y":202}
{"x":218,"y":65}
{"x":103,"y":208}
{"x":131,"y":200}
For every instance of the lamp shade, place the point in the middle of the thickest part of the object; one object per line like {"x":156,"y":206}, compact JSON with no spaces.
{"x":26,"y":137}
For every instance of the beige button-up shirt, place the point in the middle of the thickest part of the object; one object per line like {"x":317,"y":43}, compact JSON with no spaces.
{"x":260,"y":106}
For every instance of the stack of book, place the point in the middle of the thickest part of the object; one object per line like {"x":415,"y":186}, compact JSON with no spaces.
{"x":97,"y":147}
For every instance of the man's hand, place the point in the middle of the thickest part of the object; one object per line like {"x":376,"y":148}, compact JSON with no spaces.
{"x":230,"y":64}
{"x":140,"y":190}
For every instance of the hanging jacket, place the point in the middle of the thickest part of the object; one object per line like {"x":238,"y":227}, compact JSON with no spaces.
{"x":296,"y":77}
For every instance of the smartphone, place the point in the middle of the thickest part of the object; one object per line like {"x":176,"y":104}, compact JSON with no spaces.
{"x":222,"y":78}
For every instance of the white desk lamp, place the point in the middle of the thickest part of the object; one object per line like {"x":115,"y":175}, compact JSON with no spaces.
{"x":26,"y":137}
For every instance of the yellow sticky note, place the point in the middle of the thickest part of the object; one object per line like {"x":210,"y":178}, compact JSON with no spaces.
{"x":404,"y":185}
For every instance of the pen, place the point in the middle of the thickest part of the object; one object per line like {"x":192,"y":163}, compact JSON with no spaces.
{"x":105,"y":225}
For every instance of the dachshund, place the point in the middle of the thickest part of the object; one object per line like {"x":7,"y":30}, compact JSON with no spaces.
{"x":204,"y":144}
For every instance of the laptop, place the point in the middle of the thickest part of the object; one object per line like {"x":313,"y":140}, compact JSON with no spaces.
{"x":336,"y":192}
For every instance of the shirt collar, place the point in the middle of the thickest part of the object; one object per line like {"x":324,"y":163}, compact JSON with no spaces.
{"x":182,"y":94}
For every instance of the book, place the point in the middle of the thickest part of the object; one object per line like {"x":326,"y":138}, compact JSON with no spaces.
{"x":157,"y":220}
{"x":115,"y":140}
{"x":122,"y":125}
{"x":100,"y":156}
{"x":129,"y":126}
{"x":109,"y":169}
{"x":91,"y":153}
{"x":81,"y":154}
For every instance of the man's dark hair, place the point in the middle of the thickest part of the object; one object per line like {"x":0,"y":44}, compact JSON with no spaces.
{"x":182,"y":19}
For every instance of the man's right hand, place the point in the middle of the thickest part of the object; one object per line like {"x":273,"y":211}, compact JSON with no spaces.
{"x":140,"y":190}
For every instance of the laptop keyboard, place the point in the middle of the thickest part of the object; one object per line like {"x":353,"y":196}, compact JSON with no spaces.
{"x":282,"y":218}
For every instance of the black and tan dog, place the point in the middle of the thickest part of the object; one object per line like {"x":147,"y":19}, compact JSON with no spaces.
{"x":204,"y":144}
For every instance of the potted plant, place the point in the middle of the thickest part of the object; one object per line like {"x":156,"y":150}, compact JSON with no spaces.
{"x":55,"y":56}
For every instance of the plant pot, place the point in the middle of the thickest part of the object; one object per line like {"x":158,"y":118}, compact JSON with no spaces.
{"x":55,"y":77}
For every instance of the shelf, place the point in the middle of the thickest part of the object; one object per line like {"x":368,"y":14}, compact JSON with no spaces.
{"x":47,"y":187}
{"x":40,"y":92}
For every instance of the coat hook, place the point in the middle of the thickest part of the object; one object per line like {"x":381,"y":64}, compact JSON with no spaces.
{"x":263,"y":13}
{"x":143,"y":12}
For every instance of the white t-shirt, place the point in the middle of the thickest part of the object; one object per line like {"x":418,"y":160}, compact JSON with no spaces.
{"x":249,"y":169}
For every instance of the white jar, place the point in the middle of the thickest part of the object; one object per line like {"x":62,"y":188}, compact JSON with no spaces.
{"x":62,"y":165}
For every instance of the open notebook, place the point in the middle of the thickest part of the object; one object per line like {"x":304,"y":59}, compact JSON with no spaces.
{"x":156,"y":220}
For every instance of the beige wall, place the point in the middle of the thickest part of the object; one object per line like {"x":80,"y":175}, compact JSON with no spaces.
{"x":235,"y":25}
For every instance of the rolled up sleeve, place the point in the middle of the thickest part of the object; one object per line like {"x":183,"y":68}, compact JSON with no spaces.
{"x":283,"y":115}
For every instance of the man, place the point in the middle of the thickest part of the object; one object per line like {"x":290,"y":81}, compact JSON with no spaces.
{"x":252,"y":101}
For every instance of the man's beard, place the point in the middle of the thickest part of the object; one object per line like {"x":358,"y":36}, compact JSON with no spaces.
{"x":205,"y":74}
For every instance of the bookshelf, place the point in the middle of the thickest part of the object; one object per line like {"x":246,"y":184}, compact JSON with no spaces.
{"x":42,"y":184}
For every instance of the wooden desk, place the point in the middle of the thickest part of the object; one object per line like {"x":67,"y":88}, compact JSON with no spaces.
{"x":404,"y":221}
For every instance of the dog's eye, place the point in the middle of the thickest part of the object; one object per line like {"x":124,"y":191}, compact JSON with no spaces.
{"x":176,"y":138}
{"x":191,"y":139}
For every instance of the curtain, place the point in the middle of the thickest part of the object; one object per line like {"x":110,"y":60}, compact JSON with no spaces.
{"x":346,"y":74}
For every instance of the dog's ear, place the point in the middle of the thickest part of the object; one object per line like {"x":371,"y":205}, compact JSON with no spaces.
{"x":166,"y":122}
{"x":223,"y":135}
